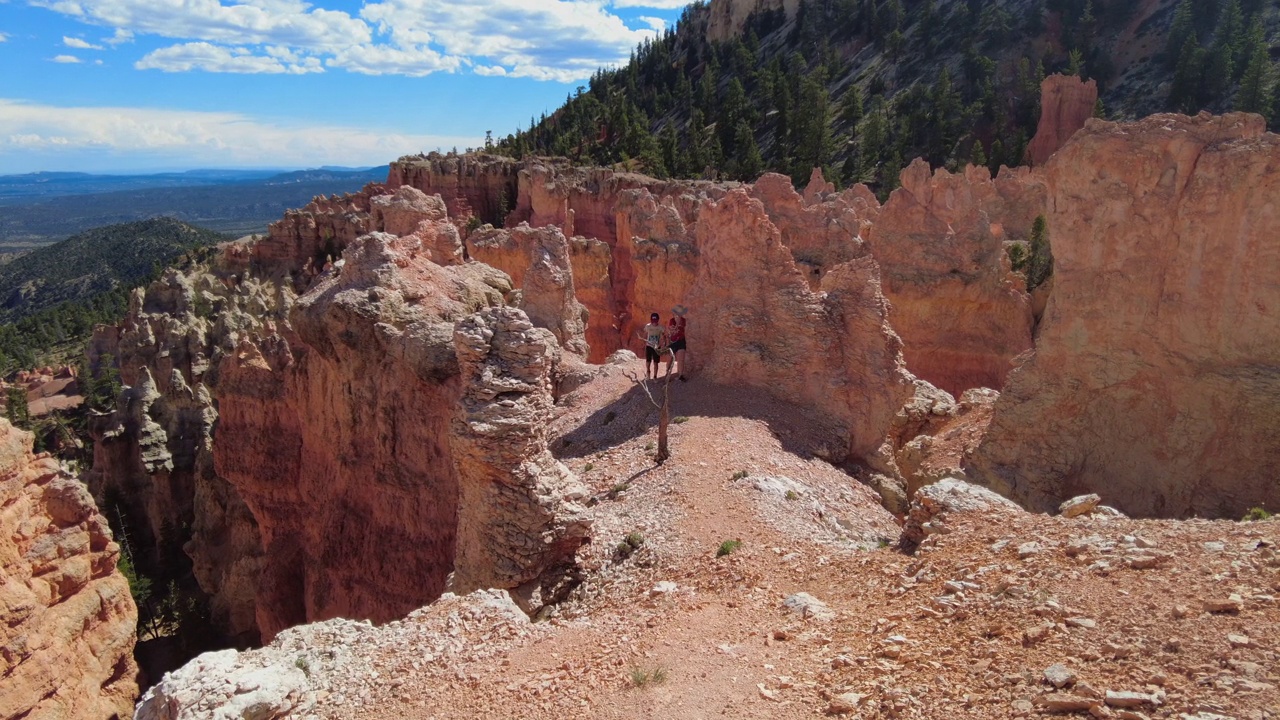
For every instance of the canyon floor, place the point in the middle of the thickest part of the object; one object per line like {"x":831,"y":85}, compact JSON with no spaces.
{"x":1142,"y":618}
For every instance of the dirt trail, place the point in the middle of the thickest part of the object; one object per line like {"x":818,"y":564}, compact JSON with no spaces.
{"x":964,"y":629}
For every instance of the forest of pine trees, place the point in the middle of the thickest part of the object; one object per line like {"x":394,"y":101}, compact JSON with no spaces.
{"x":950,"y":82}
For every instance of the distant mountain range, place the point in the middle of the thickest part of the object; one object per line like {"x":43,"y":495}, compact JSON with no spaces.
{"x":22,"y":188}
{"x":39,"y":208}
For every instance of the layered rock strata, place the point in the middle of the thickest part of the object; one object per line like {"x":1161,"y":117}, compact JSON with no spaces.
{"x":519,"y":521}
{"x":66,"y":643}
{"x":154,"y":453}
{"x":1154,"y":379}
{"x":962,"y":313}
{"x":543,"y":271}
{"x":337,"y":439}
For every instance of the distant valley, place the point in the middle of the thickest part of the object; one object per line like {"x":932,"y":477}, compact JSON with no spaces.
{"x":40,"y":208}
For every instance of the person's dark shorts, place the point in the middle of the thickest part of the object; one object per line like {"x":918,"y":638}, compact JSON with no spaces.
{"x":651,"y":354}
{"x":678,"y":345}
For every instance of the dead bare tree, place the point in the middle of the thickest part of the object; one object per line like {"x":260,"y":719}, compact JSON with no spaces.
{"x":664,"y":411}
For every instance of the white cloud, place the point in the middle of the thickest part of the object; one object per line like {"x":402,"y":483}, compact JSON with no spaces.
{"x":247,"y":22}
{"x":3,"y":37}
{"x":213,"y":58}
{"x":120,"y":37}
{"x":655,"y":4}
{"x":182,"y":138}
{"x":562,"y":40}
{"x":65,"y":59}
{"x":79,"y":44}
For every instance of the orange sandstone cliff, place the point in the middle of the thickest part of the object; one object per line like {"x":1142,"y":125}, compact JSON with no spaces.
{"x":66,"y":643}
{"x":1066,"y":103}
{"x":1154,"y":378}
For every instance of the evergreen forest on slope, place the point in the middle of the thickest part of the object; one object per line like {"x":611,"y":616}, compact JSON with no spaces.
{"x":860,"y":87}
{"x":51,"y":298}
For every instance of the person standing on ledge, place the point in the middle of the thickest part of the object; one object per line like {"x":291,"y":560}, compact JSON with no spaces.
{"x":675,"y":336}
{"x":655,"y":344}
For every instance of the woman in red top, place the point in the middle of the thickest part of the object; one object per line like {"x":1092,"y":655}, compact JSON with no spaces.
{"x":676,"y":336}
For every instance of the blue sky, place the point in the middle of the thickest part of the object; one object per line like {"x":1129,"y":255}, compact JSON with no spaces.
{"x":141,"y":85}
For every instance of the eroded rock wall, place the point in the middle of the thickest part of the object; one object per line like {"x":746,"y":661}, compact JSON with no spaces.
{"x":541,"y":261}
{"x":66,"y":643}
{"x":520,"y":523}
{"x":760,"y":325}
{"x":338,"y":439}
{"x":1154,"y":380}
{"x":153,"y":456}
{"x":962,"y":313}
{"x":1066,"y":103}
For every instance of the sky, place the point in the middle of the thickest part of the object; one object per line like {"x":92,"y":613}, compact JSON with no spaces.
{"x":117,"y":86}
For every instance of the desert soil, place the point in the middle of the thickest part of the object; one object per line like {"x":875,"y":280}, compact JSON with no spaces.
{"x":1147,"y":619}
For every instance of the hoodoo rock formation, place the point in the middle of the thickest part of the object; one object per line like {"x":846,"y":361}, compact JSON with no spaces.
{"x":154,"y":453}
{"x":519,"y":522}
{"x":940,"y":241}
{"x":66,"y":643}
{"x":1154,"y":379}
{"x":761,"y":326}
{"x":1066,"y":103}
{"x":546,"y":280}
{"x":338,"y":439}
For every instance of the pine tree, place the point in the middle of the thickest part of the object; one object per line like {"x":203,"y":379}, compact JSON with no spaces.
{"x":1179,"y":32}
{"x":1256,"y":89}
{"x":1184,"y":95}
{"x":977,"y":157}
{"x":16,"y":410}
{"x":851,"y":106}
{"x":751,"y":163}
{"x":997,"y":157}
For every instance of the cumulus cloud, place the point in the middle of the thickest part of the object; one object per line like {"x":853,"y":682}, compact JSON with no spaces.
{"x":183,"y":138}
{"x":213,"y":58}
{"x":3,"y":37}
{"x":247,"y":22}
{"x":562,"y":40}
{"x":65,"y":59}
{"x":79,"y":44}
{"x":654,"y":4}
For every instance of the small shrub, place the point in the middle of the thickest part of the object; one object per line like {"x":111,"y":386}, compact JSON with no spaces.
{"x":739,"y":475}
{"x":793,"y":495}
{"x":680,"y":419}
{"x":1254,"y":514}
{"x":588,"y":467}
{"x":634,"y":539}
{"x":882,"y":544}
{"x":648,"y":446}
{"x":303,"y":664}
{"x":641,"y":677}
{"x":727,"y":547}
{"x":618,"y":489}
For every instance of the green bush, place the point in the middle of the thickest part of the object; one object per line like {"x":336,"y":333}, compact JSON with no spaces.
{"x":1256,"y":514}
{"x":728,"y":547}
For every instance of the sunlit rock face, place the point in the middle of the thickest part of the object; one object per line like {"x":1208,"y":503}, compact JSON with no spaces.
{"x":1154,"y":380}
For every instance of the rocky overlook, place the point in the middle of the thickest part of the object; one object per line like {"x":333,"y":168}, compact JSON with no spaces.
{"x":418,"y":388}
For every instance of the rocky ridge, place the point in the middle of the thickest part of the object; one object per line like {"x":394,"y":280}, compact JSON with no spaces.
{"x":1152,"y":380}
{"x":66,"y":644}
{"x":1031,"y":616}
{"x":358,"y":397}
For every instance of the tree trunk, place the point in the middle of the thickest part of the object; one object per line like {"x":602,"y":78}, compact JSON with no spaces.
{"x":664,"y":417}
